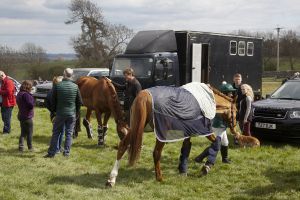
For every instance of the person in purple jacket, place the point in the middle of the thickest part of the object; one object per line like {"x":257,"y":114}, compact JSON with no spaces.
{"x":25,"y":103}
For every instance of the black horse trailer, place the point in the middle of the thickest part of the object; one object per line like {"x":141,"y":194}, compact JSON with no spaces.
{"x":174,"y":58}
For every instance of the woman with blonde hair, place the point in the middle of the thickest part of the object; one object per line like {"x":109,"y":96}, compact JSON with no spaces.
{"x":245,"y":108}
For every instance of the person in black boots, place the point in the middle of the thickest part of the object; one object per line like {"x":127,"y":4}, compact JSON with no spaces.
{"x":219,"y":128}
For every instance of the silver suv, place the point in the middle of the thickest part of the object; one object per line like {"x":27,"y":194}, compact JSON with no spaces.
{"x":43,"y":89}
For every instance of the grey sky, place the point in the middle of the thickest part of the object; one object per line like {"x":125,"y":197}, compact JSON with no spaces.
{"x":42,"y":21}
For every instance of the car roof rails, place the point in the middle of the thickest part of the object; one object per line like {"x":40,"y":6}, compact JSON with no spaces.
{"x":295,"y":76}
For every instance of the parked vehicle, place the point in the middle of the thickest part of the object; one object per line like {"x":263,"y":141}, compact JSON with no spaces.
{"x":174,"y":58}
{"x":43,"y":89}
{"x":278,"y":117}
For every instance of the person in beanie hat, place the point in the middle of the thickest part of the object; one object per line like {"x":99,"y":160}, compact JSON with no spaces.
{"x":219,"y":127}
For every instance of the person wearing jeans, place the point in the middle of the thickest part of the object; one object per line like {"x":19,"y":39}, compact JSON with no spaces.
{"x":66,"y":102}
{"x":25,"y":103}
{"x":48,"y":104}
{"x":7,"y":91}
{"x":219,"y":127}
{"x":62,"y":124}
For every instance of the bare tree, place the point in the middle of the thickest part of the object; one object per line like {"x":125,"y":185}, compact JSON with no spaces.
{"x":33,"y":54}
{"x":117,"y":40}
{"x":289,"y":47}
{"x":8,"y":56}
{"x":98,"y":42}
{"x":269,"y":50}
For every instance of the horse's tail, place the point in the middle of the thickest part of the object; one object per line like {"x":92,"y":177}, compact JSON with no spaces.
{"x":138,"y":119}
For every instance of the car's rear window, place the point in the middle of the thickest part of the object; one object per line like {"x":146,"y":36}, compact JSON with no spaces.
{"x":78,"y":73}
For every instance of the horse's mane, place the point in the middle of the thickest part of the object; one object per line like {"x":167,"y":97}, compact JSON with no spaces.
{"x":217,"y":92}
{"x":115,"y":101}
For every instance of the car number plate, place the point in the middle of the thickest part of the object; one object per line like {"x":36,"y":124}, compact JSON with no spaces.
{"x":265,"y":125}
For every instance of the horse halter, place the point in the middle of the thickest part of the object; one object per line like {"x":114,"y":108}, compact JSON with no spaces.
{"x":230,"y":120}
{"x":233,"y":121}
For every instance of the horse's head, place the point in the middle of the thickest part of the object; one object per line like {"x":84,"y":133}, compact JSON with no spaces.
{"x":122,"y":129}
{"x":226,"y":107}
{"x":115,"y":107}
{"x":229,"y":116}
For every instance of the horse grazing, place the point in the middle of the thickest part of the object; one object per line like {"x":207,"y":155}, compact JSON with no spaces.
{"x":141,"y":114}
{"x":100,"y":95}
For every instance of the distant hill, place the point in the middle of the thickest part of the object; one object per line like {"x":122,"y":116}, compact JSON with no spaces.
{"x":61,"y":56}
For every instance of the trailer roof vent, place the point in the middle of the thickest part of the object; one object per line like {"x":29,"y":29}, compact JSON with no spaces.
{"x":152,"y":41}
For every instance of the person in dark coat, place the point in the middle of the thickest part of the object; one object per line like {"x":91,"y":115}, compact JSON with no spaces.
{"x":48,"y":104}
{"x":131,"y":88}
{"x":25,"y":103}
{"x":66,"y":101}
{"x":237,"y":82}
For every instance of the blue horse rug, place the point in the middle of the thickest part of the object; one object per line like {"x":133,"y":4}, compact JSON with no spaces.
{"x":177,"y":112}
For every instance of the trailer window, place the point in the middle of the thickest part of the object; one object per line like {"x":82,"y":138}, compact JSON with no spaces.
{"x":241,"y":49}
{"x":232,"y":47}
{"x":250,"y":48}
{"x":162,"y":72}
{"x":142,"y":66}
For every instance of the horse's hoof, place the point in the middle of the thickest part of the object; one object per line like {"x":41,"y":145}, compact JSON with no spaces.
{"x":109,"y":184}
{"x":89,"y":135}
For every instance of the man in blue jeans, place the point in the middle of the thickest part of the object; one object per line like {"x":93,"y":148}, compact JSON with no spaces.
{"x":66,"y":102}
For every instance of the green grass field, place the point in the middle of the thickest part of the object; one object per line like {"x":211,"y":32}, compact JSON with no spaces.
{"x":269,"y":172}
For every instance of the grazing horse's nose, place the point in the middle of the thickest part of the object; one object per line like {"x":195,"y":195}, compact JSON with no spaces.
{"x":122,"y":133}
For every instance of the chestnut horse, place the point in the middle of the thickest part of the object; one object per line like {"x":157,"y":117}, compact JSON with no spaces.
{"x":100,"y":95}
{"x":141,"y":114}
